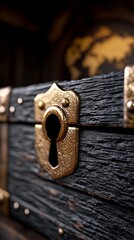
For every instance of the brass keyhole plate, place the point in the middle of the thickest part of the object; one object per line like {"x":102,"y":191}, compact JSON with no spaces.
{"x":57,"y":111}
{"x":65,"y":106}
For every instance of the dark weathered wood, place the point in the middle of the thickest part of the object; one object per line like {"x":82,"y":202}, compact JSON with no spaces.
{"x":3,"y":154}
{"x":10,"y":229}
{"x":97,"y":200}
{"x":106,"y":163}
{"x":80,"y":215}
{"x":101,"y":100}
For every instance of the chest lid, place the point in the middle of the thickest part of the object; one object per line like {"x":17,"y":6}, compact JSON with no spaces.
{"x":105,"y":100}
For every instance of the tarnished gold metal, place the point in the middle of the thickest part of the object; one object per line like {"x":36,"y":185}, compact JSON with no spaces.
{"x":4,"y":196}
{"x":57,"y":111}
{"x":60,"y":231}
{"x":4,"y":103}
{"x":41,"y":105}
{"x":129,"y":97}
{"x":3,"y":155}
{"x":67,"y":140}
{"x":65,"y":102}
{"x":4,"y":202}
{"x":4,"y":108}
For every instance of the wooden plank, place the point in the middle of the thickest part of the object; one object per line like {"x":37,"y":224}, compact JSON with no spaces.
{"x":105,"y":170}
{"x":3,"y":155}
{"x":101,"y":100}
{"x":80,"y":215}
{"x":12,"y":229}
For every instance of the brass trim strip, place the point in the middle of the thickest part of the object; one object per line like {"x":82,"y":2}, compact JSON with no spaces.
{"x":4,"y":202}
{"x":4,"y":103}
{"x":4,"y":109}
{"x":4,"y":195}
{"x":3,"y":155}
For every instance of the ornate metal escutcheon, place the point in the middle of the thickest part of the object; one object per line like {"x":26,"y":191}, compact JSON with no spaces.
{"x":56,"y":134}
{"x":129,"y":97}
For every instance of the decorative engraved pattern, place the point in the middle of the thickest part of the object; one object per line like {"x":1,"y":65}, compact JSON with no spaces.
{"x":67,"y":140}
{"x":128,"y":96}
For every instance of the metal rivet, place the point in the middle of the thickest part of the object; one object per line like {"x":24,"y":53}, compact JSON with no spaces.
{"x":16,"y":205}
{"x":41,"y":105}
{"x":26,"y":211}
{"x":130,"y":105}
{"x":60,"y":231}
{"x":2,"y":109}
{"x":20,"y":100}
{"x":1,"y":197}
{"x":65,"y":102}
{"x":12,"y":109}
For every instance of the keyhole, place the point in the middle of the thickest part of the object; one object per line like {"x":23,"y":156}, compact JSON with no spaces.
{"x":53,"y":127}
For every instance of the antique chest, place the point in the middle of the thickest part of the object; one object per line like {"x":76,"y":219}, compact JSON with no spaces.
{"x":67,"y":157}
{"x":67,"y":121}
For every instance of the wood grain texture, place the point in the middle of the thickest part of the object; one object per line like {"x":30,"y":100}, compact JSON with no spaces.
{"x":10,"y":229}
{"x":80,"y":215}
{"x":105,"y":170}
{"x":101,"y":100}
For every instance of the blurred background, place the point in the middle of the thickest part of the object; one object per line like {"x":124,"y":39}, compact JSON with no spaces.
{"x":61,"y":40}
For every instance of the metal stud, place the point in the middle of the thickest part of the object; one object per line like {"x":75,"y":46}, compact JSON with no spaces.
{"x":20,"y":100}
{"x":2,"y":109}
{"x":130,"y":105}
{"x":16,"y":205}
{"x":26,"y":211}
{"x":41,"y":105}
{"x":12,"y":109}
{"x":65,"y":102}
{"x":60,"y":232}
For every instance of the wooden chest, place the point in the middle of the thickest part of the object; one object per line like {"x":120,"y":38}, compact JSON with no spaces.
{"x":67,"y":160}
{"x":96,"y":200}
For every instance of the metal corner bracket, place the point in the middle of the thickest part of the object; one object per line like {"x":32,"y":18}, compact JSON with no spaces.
{"x":4,"y":109}
{"x":57,"y":134}
{"x":129,"y":97}
{"x":4,"y":202}
{"x":4,"y":103}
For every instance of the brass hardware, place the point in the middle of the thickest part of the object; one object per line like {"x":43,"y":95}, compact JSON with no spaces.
{"x":20,"y":101}
{"x":41,"y":105}
{"x":4,"y":103}
{"x":26,"y":211}
{"x":57,"y":111}
{"x":16,"y":205}
{"x":12,"y":109}
{"x":67,"y":140}
{"x":2,"y":109}
{"x":60,"y":231}
{"x":4,"y":202}
{"x":4,"y":106}
{"x":4,"y":199}
{"x":130,"y":105}
{"x":65,"y":102}
{"x":129,"y":97}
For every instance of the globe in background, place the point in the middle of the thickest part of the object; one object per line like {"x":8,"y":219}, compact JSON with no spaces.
{"x":105,"y":48}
